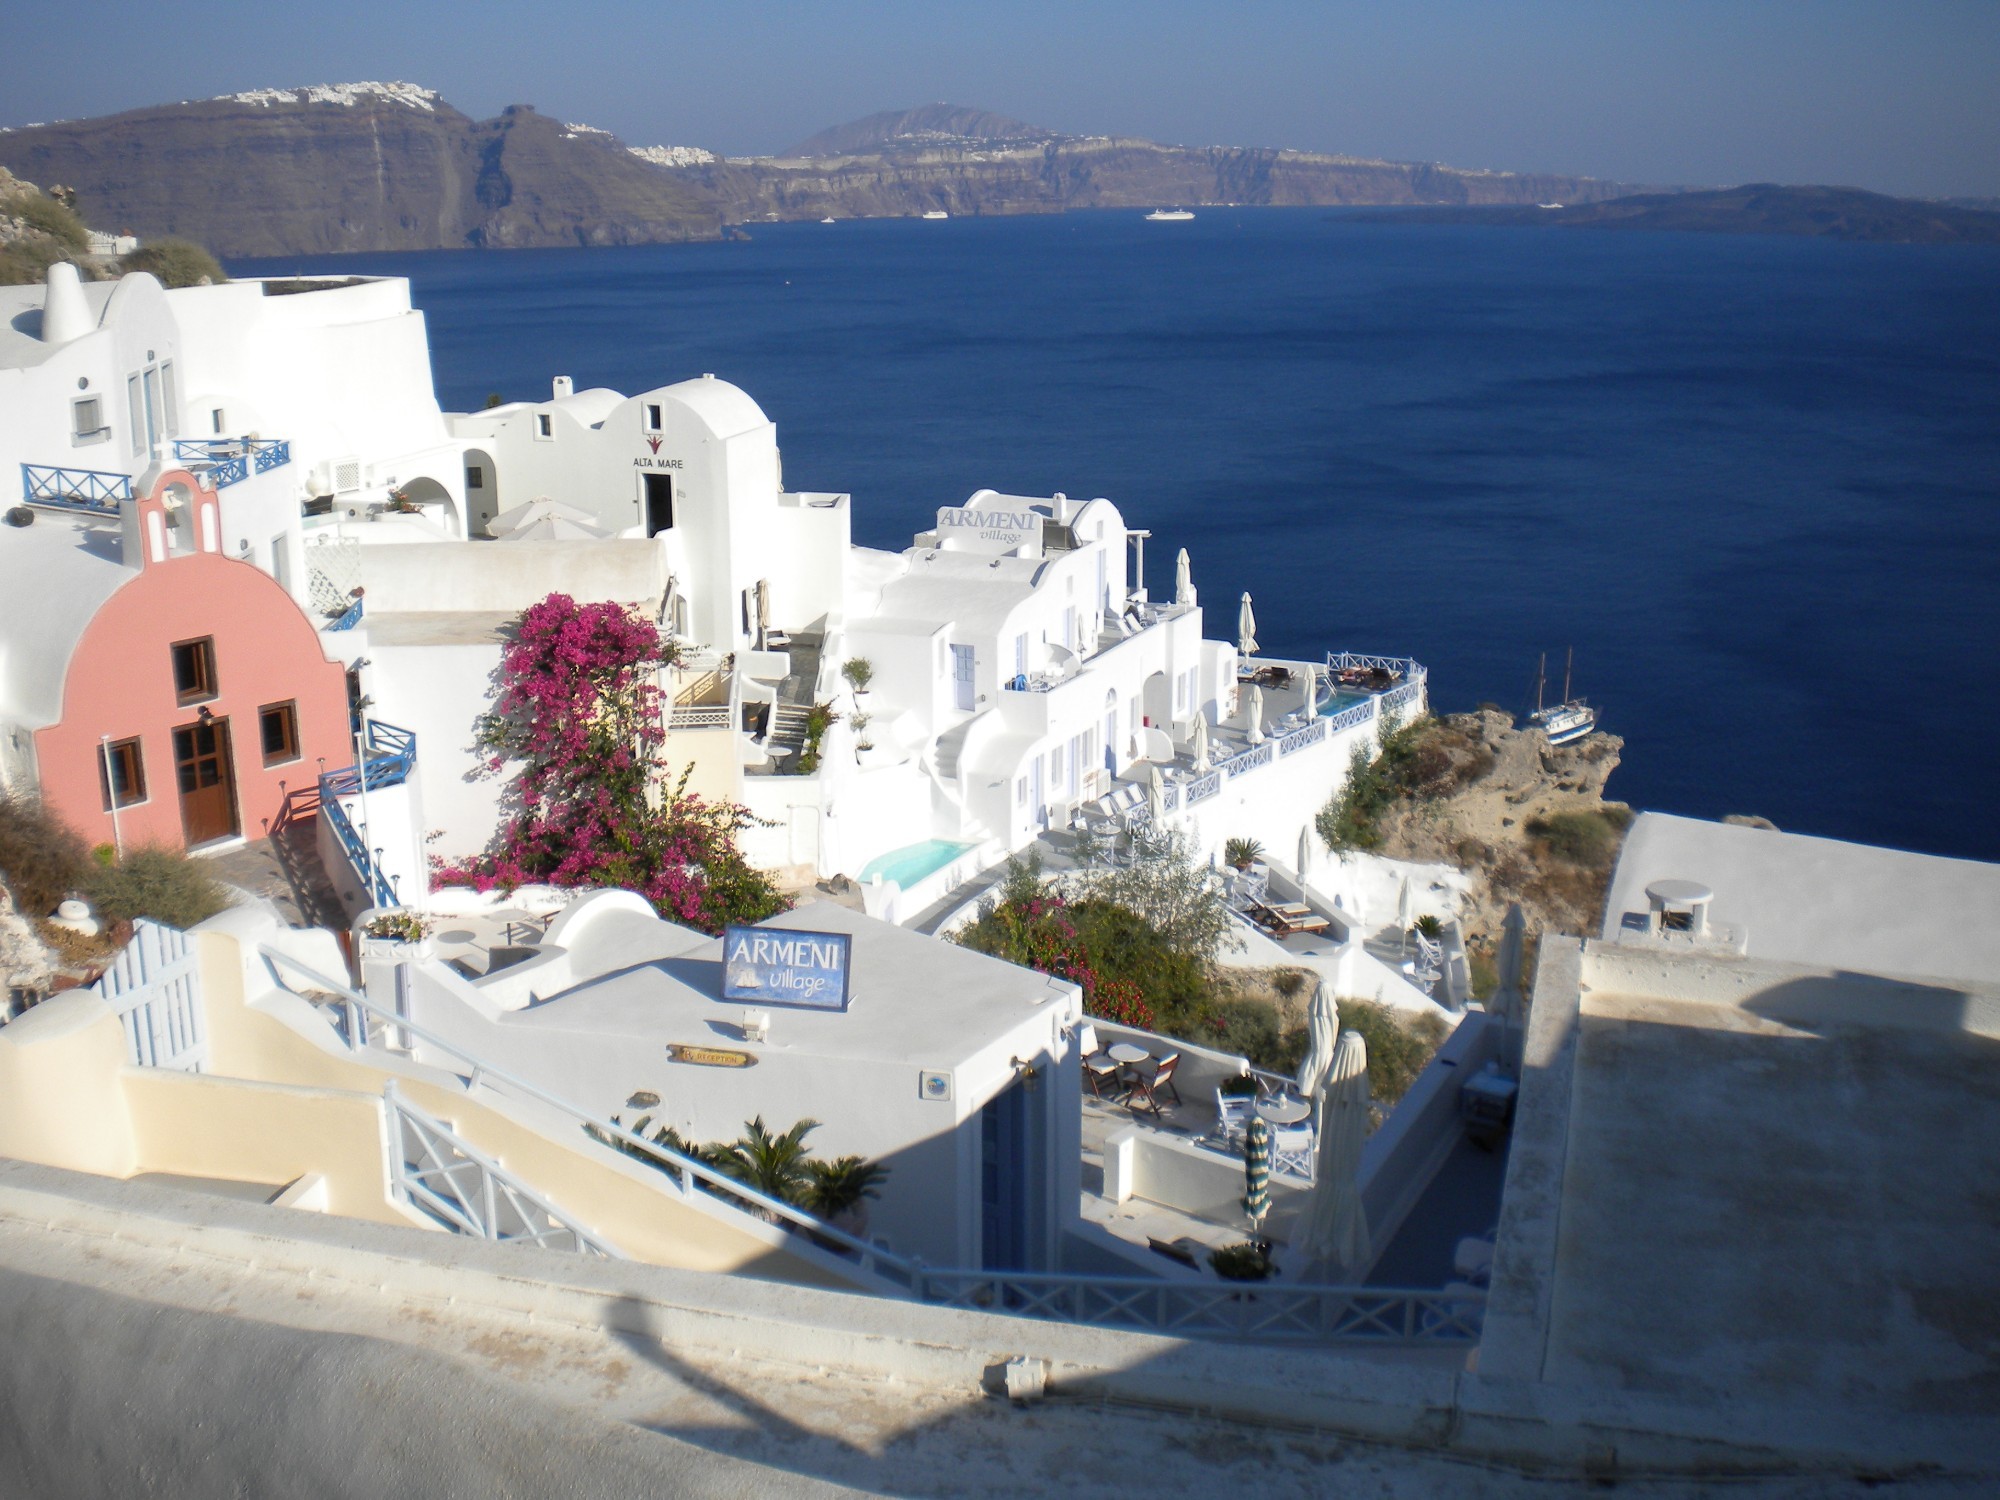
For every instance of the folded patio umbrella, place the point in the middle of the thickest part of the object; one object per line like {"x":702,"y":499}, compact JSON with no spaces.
{"x":1256,"y":1170}
{"x":1333,"y":1231}
{"x":1323,"y":1033}
{"x":1199,"y":747}
{"x":1253,"y":714}
{"x":1246,"y":628}
{"x":1305,"y":852}
{"x":1183,"y":580}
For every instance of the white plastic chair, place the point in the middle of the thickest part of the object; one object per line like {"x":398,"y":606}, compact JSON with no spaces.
{"x":1292,"y":1150}
{"x":1232,"y":1116}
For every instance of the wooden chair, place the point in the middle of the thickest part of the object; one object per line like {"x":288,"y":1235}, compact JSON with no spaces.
{"x":1146,"y":1086}
{"x":1097,"y":1063}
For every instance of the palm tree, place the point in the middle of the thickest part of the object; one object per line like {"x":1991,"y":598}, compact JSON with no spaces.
{"x":775,"y":1165}
{"x":843,"y":1185}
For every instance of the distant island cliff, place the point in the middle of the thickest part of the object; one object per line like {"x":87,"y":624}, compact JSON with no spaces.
{"x":392,"y":166}
{"x":373,"y":166}
{"x":1758,"y":208}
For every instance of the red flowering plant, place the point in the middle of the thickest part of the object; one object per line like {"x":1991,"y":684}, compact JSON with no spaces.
{"x":1033,"y":926}
{"x":579,"y":715}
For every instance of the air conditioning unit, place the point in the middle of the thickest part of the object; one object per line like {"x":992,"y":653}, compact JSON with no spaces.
{"x":346,"y":475}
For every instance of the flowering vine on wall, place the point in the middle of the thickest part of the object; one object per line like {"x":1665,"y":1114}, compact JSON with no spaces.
{"x":579,"y":720}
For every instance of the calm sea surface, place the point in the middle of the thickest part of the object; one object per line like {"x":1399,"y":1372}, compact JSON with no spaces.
{"x":1755,"y":482}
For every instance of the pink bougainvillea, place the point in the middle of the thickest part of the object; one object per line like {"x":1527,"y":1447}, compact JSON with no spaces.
{"x":579,"y":717}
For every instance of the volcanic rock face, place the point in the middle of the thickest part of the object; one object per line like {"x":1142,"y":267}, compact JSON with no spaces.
{"x":387,"y":168}
{"x":370,"y":166}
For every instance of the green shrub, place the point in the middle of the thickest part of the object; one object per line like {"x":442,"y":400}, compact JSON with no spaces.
{"x":41,"y":859}
{"x":1240,"y":854}
{"x":156,"y":882}
{"x":46,"y":216}
{"x":1580,"y":838}
{"x":1398,"y":1049}
{"x":176,"y":263}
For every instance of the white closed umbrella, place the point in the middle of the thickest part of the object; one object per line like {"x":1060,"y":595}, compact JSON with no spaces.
{"x":531,"y":512}
{"x":554,"y":529}
{"x":1246,"y":628}
{"x":763,"y":611}
{"x":1508,"y":1001}
{"x":1183,"y":580}
{"x":1305,"y":852}
{"x":1322,"y":1033}
{"x":1406,"y":907}
{"x":1253,"y":715}
{"x":1156,"y":797}
{"x":1333,"y":1230}
{"x":1198,"y":745}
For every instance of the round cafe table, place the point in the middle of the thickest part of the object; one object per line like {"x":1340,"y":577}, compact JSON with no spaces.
{"x":1284,"y":1110}
{"x":1126,"y":1053}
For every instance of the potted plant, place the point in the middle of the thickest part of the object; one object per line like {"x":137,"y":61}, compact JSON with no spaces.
{"x":859,"y":672}
{"x":1428,"y":926}
{"x":1249,"y":1261}
{"x":839,"y":1190}
{"x":1241,"y":854}
{"x":396,"y":932}
{"x":860,"y":722}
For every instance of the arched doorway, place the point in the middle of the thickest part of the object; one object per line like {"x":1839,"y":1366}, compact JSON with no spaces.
{"x":435,"y":502}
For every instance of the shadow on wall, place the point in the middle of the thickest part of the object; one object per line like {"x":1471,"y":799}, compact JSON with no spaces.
{"x":1826,"y":1002}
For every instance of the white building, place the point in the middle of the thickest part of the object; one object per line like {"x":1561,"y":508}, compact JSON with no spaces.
{"x":307,"y":403}
{"x":1016,"y":670}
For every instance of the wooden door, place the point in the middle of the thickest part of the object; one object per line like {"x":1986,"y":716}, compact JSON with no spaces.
{"x":207,"y":776}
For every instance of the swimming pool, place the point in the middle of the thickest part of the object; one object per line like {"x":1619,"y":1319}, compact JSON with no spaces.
{"x":913,"y":862}
{"x":1342,"y":700}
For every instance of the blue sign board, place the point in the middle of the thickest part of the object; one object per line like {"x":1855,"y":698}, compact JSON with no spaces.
{"x":781,"y":966}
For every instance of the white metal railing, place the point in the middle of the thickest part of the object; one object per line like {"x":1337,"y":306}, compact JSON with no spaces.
{"x":1263,"y":1312}
{"x":1259,"y":1312}
{"x":357,"y":1011}
{"x":434,"y":1170}
{"x":1355,"y":661}
{"x":154,"y":985}
{"x":1351,"y":718}
{"x":1298,"y":739}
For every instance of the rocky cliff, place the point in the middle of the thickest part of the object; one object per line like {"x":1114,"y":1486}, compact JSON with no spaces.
{"x":394,"y":167}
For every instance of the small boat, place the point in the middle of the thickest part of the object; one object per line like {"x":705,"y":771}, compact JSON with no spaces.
{"x":1569,"y":720}
{"x":829,"y":219}
{"x":1168,"y":215}
{"x":937,"y":213}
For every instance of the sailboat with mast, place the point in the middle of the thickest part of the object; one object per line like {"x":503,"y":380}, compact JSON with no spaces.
{"x":1567,"y":721}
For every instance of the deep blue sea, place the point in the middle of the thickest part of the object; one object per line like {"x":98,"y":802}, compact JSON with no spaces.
{"x":1754,"y":482}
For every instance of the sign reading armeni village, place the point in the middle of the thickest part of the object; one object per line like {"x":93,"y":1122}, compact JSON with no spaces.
{"x":780,"y":967}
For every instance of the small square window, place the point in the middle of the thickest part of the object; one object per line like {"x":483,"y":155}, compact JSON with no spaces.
{"x":194,"y":670}
{"x":121,"y":773}
{"x":653,"y":423}
{"x":215,"y":420}
{"x":278,"y":726}
{"x":87,"y":420}
{"x":545,"y":425}
{"x":475,"y":477}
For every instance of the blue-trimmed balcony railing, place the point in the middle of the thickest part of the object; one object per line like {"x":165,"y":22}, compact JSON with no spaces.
{"x":227,"y":461}
{"x":389,"y":755}
{"x":349,"y":617}
{"x":95,"y":492}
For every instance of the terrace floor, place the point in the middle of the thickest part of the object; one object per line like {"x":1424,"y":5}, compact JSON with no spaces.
{"x":1138,"y":1220}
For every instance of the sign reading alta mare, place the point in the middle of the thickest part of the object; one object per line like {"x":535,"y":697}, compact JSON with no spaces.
{"x":780,"y":966}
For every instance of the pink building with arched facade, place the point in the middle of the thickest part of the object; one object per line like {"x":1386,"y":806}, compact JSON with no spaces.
{"x":152,"y":689}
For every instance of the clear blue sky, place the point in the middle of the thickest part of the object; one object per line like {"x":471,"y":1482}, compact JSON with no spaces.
{"x":1899,"y":95}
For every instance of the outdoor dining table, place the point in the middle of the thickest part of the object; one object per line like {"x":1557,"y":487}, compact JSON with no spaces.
{"x":1283,"y":1110}
{"x":1128,"y":1056}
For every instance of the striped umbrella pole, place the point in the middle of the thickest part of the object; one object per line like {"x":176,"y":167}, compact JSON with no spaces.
{"x":1257,"y":1170}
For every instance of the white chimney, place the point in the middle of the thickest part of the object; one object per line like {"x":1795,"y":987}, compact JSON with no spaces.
{"x":564,"y":387}
{"x":65,"y":313}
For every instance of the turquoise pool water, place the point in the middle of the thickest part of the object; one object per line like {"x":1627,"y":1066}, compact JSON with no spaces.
{"x":1341,"y":701}
{"x":911,"y":863}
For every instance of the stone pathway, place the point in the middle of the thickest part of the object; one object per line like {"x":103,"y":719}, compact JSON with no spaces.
{"x":285,"y":870}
